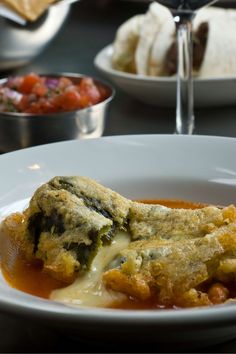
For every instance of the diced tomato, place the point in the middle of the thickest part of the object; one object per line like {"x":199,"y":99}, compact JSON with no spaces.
{"x":28,"y":83}
{"x":42,"y":107}
{"x":64,"y":82}
{"x":34,"y":108}
{"x":68,"y":101}
{"x":85,"y":101}
{"x":88,"y":88}
{"x":23,"y":104}
{"x":40,"y":89}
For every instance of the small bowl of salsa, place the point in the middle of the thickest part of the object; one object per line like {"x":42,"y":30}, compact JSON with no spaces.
{"x":38,"y":109}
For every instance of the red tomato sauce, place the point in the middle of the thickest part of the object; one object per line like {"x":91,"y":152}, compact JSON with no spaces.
{"x":23,"y":275}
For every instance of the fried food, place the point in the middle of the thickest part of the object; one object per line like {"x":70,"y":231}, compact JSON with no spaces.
{"x":29,"y":9}
{"x":174,"y":252}
{"x":68,"y":220}
{"x":171,"y":270}
{"x":81,"y":229}
{"x":159,"y":222}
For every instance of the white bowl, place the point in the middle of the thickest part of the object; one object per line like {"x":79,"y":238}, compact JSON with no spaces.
{"x":161,"y":91}
{"x":188,"y":167}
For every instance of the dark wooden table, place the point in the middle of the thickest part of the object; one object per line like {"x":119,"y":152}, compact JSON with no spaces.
{"x":90,"y":27}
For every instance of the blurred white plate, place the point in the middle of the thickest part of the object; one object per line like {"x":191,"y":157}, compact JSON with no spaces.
{"x":161,"y":91}
{"x":145,"y":166}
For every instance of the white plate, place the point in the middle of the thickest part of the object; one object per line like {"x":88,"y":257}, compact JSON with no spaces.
{"x":151,"y":166}
{"x":161,"y":91}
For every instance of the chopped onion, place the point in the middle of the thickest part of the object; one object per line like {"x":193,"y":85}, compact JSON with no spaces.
{"x":51,"y":83}
{"x":12,"y":94}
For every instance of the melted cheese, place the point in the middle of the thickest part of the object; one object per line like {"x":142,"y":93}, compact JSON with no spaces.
{"x":88,"y":289}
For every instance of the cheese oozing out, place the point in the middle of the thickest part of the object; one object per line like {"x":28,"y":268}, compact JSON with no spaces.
{"x":88,"y":289}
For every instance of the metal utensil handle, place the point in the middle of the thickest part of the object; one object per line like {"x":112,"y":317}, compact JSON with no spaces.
{"x":184,"y":104}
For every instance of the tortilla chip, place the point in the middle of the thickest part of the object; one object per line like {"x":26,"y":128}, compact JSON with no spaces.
{"x":29,"y":9}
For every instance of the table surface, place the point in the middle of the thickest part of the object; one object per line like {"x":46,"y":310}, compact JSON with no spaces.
{"x":90,"y":27}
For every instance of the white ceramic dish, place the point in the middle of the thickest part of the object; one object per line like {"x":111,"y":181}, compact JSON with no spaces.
{"x":188,"y":167}
{"x":161,"y":91}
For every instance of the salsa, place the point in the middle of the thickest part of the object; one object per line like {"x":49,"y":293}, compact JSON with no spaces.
{"x":37,"y":94}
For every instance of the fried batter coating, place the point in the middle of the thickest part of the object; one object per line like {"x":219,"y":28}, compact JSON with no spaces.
{"x":160,"y":222}
{"x":173,"y":270}
{"x":68,"y":219}
{"x":171,"y":252}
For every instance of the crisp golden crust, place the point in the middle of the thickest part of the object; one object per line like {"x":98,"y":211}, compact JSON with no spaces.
{"x":172,"y":253}
{"x":161,"y":222}
{"x":95,"y":196}
{"x":68,"y":219}
{"x":172,"y":269}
